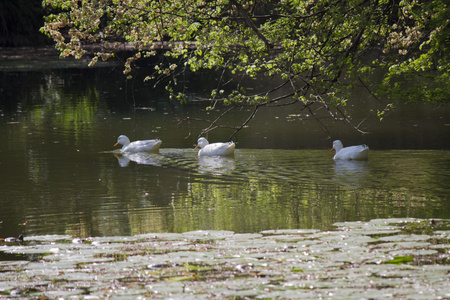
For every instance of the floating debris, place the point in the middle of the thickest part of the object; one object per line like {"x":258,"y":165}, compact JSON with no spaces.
{"x":357,"y":260}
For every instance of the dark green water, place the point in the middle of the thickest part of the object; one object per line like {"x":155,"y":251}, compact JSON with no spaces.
{"x":59,"y":174}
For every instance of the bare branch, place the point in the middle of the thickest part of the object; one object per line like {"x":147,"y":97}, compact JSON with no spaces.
{"x":212,"y":123}
{"x":367,"y":88}
{"x":321,"y":125}
{"x":252,"y":25}
{"x":252,"y":115}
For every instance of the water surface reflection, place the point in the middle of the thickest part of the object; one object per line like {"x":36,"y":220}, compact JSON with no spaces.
{"x":175,"y":191}
{"x":351,"y":173}
{"x":143,"y":158}
{"x":216,"y":165}
{"x":56,"y":177}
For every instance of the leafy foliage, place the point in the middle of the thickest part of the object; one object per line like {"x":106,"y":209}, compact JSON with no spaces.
{"x":319,"y":50}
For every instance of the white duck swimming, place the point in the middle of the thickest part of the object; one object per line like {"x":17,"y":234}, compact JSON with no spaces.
{"x":360,"y":152}
{"x":138,"y":146}
{"x":14,"y":240}
{"x":213,"y":149}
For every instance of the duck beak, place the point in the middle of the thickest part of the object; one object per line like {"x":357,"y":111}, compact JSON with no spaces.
{"x":116,"y":144}
{"x":196,"y":147}
{"x":331,"y":149}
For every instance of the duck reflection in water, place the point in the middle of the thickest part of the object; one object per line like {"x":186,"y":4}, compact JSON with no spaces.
{"x":217,"y":165}
{"x":351,"y":172}
{"x":142,"y":158}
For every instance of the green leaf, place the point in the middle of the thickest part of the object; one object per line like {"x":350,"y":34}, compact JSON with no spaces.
{"x":400,"y":260}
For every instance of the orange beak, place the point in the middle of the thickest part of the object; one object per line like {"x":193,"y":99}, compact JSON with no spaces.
{"x":116,"y":144}
{"x":196,"y":147}
{"x":331,"y":149}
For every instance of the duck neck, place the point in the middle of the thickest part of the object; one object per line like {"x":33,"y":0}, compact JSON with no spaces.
{"x":125,"y":144}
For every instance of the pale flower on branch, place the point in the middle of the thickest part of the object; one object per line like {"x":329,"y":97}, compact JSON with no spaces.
{"x":93,"y":61}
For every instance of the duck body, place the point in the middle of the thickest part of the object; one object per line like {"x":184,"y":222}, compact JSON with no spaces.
{"x":214,"y":149}
{"x":137,"y":146}
{"x":14,"y":240}
{"x":360,"y":152}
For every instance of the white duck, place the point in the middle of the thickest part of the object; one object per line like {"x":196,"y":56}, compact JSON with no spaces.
{"x":213,"y":149}
{"x":14,"y":240}
{"x":360,"y":152}
{"x":137,"y":146}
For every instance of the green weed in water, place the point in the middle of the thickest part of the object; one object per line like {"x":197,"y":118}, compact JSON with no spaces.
{"x":400,"y":260}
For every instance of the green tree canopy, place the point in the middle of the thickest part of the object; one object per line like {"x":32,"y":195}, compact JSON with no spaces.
{"x":319,"y":50}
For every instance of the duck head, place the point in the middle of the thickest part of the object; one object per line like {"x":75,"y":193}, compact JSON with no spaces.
{"x":122,"y":140}
{"x":201,"y":142}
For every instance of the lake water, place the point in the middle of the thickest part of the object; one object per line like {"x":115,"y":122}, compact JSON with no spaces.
{"x":59,"y":174}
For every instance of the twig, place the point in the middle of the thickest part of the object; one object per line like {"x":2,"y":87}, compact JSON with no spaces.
{"x":367,"y":88}
{"x":252,"y":25}
{"x":252,"y":115}
{"x":324,"y":128}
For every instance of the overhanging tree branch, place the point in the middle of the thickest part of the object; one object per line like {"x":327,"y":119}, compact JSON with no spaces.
{"x":250,"y":23}
{"x":320,"y":46}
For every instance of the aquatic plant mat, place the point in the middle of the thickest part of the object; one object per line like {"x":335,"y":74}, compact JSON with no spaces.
{"x":383,"y":258}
